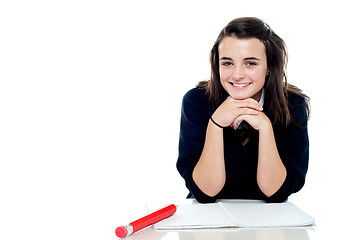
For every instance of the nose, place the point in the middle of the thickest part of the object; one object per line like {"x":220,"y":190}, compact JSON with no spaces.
{"x":239,"y":73}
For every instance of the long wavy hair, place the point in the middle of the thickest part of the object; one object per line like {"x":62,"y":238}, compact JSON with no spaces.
{"x":276,"y":87}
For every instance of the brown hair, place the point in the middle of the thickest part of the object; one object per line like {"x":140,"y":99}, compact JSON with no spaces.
{"x":276,"y":86}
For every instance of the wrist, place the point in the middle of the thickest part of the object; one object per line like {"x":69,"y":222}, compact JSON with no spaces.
{"x":215,"y":123}
{"x":266,"y":127}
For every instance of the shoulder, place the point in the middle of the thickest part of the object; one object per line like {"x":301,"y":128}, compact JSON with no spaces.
{"x":196,"y":97}
{"x":298,"y":108}
{"x":195,"y":94}
{"x":295,"y":100}
{"x":195,"y":102}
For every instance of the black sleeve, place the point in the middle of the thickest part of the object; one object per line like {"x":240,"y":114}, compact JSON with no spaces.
{"x":194,"y":120}
{"x":293,"y":148}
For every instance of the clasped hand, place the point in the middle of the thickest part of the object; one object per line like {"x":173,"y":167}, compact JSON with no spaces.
{"x":232,"y":111}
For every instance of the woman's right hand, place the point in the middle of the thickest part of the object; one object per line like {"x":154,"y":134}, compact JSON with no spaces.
{"x":231,"y":108}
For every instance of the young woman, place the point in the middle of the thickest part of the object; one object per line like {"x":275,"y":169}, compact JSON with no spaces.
{"x":243,"y":133}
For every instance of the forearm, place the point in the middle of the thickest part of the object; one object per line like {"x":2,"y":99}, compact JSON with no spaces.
{"x":209,"y":174}
{"x":271,"y":172}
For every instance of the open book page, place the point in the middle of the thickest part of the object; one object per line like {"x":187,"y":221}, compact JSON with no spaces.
{"x":236,"y":214}
{"x":260,"y":215}
{"x":197,"y":216}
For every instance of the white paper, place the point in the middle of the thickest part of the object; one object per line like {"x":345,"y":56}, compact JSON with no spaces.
{"x":265,"y":215}
{"x":197,"y":216}
{"x":228,"y":214}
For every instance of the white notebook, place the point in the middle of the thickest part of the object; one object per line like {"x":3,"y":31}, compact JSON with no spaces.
{"x":230,"y":214}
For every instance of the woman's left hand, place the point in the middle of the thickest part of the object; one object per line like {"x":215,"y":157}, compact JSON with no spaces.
{"x":258,"y":122}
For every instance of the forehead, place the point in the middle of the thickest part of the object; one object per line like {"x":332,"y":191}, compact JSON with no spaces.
{"x":245,"y":47}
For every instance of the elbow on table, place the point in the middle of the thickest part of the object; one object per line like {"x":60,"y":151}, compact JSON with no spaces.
{"x":212,"y":189}
{"x":212,"y":192}
{"x":208,"y":187}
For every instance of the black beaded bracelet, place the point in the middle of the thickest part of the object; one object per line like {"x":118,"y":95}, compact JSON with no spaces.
{"x":216,"y":123}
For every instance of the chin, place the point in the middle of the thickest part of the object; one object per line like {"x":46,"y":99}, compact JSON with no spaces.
{"x":242,"y":95}
{"x":239,"y":97}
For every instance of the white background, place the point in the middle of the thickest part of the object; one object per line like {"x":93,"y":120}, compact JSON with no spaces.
{"x":90,"y":98}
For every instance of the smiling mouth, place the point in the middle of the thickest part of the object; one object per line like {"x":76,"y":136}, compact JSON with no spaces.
{"x":240,"y":84}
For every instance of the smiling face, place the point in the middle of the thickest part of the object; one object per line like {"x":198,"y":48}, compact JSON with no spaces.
{"x":242,"y":67}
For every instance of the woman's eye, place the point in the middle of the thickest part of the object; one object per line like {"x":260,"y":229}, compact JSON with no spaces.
{"x":226,"y":63}
{"x":251,"y":64}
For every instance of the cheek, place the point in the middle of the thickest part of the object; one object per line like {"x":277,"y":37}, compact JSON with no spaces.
{"x":224,"y":74}
{"x":223,"y":78}
{"x":258,"y":77}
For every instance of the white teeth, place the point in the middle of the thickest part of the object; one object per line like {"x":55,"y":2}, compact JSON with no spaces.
{"x":241,"y":84}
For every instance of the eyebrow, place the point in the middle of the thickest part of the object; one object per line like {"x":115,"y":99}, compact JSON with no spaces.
{"x":225,"y":58}
{"x":252,"y":58}
{"x":245,"y":59}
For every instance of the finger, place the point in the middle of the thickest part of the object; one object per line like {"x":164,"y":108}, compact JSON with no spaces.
{"x":249,"y":103}
{"x":237,"y":121}
{"x":246,"y":111}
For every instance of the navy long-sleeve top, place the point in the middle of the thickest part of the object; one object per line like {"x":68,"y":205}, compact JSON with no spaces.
{"x":241,"y":160}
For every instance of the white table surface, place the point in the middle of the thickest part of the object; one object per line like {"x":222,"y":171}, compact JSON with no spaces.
{"x":229,"y":234}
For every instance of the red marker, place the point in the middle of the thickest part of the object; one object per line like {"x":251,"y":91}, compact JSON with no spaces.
{"x":124,"y":231}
